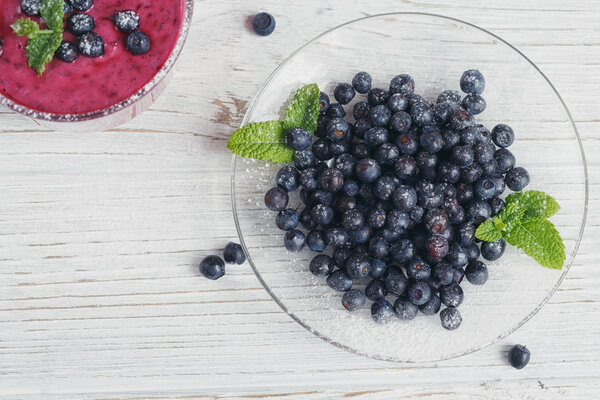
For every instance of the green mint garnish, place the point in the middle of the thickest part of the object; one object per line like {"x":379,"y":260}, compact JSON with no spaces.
{"x":42,"y":43}
{"x":303,"y":110}
{"x":266,"y":140}
{"x":523,"y":223}
{"x":261,"y":140}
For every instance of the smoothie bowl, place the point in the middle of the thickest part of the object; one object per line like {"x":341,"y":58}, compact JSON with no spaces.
{"x":97,"y":90}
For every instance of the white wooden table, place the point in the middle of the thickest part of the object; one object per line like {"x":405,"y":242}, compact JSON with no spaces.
{"x":101,"y":234}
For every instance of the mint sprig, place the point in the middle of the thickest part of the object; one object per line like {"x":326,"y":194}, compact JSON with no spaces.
{"x":523,"y":223}
{"x":42,"y":43}
{"x":266,"y":140}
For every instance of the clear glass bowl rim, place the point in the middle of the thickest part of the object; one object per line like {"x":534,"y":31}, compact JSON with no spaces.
{"x":147,"y":88}
{"x":565,"y":270}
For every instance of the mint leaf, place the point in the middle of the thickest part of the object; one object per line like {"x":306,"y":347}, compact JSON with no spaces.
{"x":52,"y":13}
{"x":536,"y":205}
{"x":41,"y":49}
{"x":303,"y":110}
{"x":487,"y":231}
{"x":510,"y":215}
{"x":25,"y":27}
{"x":261,"y":140}
{"x":540,"y":240}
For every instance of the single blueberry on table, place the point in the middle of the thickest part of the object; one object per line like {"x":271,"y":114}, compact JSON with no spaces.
{"x":353,"y":299}
{"x":492,"y":251}
{"x":287,"y":219}
{"x":377,"y":96}
{"x":234,"y":253}
{"x":405,"y":310}
{"x":126,"y":20}
{"x":276,"y":199}
{"x":212,"y":267}
{"x":294,"y":240}
{"x":403,"y":84}
{"x":476,"y":273}
{"x":321,"y":265}
{"x":472,"y":81}
{"x":315,"y":240}
{"x":137,"y":43}
{"x":382,"y":311}
{"x":517,"y":179}
{"x":298,"y":139}
{"x":91,"y":45}
{"x":375,"y":290}
{"x":80,"y":23}
{"x":31,"y":7}
{"x":519,"y":356}
{"x":474,"y":104}
{"x":67,"y":52}
{"x":344,"y":93}
{"x":432,"y":306}
{"x":288,"y":178}
{"x":362,"y":82}
{"x":263,"y":24}
{"x":503,"y":135}
{"x":323,"y":102}
{"x":450,"y":318}
{"x":339,"y":281}
{"x":451,"y":295}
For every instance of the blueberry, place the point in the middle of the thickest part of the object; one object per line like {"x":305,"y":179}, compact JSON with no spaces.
{"x":432,"y":306}
{"x":298,"y":139}
{"x":67,"y":9}
{"x":492,"y":251}
{"x":357,"y":266}
{"x":395,"y":281}
{"x":420,"y":114}
{"x":490,"y":169}
{"x":426,"y":161}
{"x":406,"y":167}
{"x":400,"y":122}
{"x":466,"y":233}
{"x":91,"y":45}
{"x":212,"y":267}
{"x":517,"y":179}
{"x":472,"y":81}
{"x":359,"y":234}
{"x":320,"y":149}
{"x":294,"y":240}
{"x":472,"y":173}
{"x":485,"y":188}
{"x":436,"y":220}
{"x":418,"y":270}
{"x":276,"y":199}
{"x":308,"y":179}
{"x":457,"y":256}
{"x":375,"y":290}
{"x":451,"y":138}
{"x":403,"y":84}
{"x":462,"y":156}
{"x":353,"y":299}
{"x":476,"y":272}
{"x":360,"y":127}
{"x":321,"y":265}
{"x":387,"y":154}
{"x":382,"y":311}
{"x":341,"y":253}
{"x":376,"y":136}
{"x":345,"y":203}
{"x":339,"y":281}
{"x":484,"y":153}
{"x":306,"y":220}
{"x":337,"y":129}
{"x":331,"y":179}
{"x":137,"y":43}
{"x":503,"y":135}
{"x":377,"y":96}
{"x":496,"y":203}
{"x":437,"y":247}
{"x":461,"y":119}
{"x":450,"y":318}
{"x":442,"y":112}
{"x":360,"y":150}
{"x":443,"y":274}
{"x":478,"y":211}
{"x":398,"y":221}
{"x":403,"y":251}
{"x":380,"y":115}
{"x":405,"y":310}
{"x":419,"y":293}
{"x":288,"y":178}
{"x":430,"y":201}
{"x":315,"y":240}
{"x":263,"y":24}
{"x":519,"y":356}
{"x":451,"y":295}
{"x":361,"y":110}
{"x":335,"y":110}
{"x":336,"y":237}
{"x":353,"y":219}
{"x":80,"y":23}
{"x":505,"y":160}
{"x":287,"y":219}
{"x":449,"y":96}
{"x":82,"y":5}
{"x":474,"y":104}
{"x":397,"y":102}
{"x":378,"y":268}
{"x":67,"y":52}
{"x":234,"y":254}
{"x":323,"y":102}
{"x":470,"y":136}
{"x":304,"y":159}
{"x":431,"y":139}
{"x":472,"y":251}
{"x":343,"y":93}
{"x":448,"y":172}
{"x":126,"y":21}
{"x":413,"y":99}
{"x":464,"y":193}
{"x":345,"y":163}
{"x":350,"y":187}
{"x":31,"y":7}
{"x":362,"y":82}
{"x":376,"y":218}
{"x":367,"y":170}
{"x":322,"y":214}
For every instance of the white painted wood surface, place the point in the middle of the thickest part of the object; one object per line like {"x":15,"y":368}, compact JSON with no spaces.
{"x":100,"y":235}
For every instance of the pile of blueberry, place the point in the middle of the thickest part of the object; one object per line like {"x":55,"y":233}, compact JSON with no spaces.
{"x":397,"y":194}
{"x":82,"y":26}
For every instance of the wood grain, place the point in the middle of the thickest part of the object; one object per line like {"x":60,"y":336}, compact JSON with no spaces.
{"x":101,"y":234}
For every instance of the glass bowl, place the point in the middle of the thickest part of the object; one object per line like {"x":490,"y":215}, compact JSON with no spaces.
{"x":118,"y":113}
{"x":435,"y":50}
